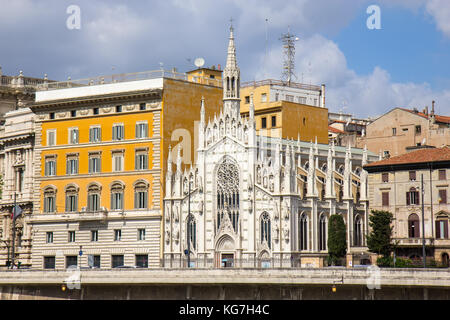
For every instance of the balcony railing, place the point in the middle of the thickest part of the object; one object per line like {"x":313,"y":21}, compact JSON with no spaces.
{"x":127,"y":77}
{"x":280,"y":83}
{"x":21,"y":81}
{"x":202,"y":263}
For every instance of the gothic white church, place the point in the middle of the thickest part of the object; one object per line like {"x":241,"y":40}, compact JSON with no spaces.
{"x":258,"y":201}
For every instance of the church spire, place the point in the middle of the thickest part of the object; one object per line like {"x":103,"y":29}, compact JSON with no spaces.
{"x":231,"y":80}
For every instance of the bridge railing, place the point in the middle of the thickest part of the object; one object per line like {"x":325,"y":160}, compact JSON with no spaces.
{"x":207,"y":263}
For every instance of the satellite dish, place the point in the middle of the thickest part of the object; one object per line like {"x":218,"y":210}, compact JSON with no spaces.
{"x":199,"y":62}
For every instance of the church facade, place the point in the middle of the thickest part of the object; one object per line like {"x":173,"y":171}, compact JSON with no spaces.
{"x":257,"y":201}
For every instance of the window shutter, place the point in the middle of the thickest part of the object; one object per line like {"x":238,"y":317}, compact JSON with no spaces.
{"x":136,"y":200}
{"x":114,"y":133}
{"x":446,"y":229}
{"x":408,"y":201}
{"x":112,"y":202}
{"x":145,"y":165}
{"x":438,"y":229}
{"x":122,"y":132}
{"x":145,"y":130}
{"x":67,"y":166}
{"x":138,"y":133}
{"x":76,"y":166}
{"x":416,"y":229}
{"x":145,"y":199}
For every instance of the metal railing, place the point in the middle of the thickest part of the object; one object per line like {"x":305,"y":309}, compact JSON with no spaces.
{"x":280,"y":83}
{"x":127,"y":77}
{"x":202,"y":263}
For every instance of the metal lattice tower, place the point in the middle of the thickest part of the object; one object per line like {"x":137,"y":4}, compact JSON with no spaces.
{"x":288,"y":40}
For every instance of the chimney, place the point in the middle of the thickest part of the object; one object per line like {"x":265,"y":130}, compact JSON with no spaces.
{"x":425,"y":110}
{"x":432,"y":108}
{"x":218,"y":66}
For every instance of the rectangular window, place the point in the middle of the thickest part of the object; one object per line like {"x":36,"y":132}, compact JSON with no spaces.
{"x":71,"y":203}
{"x":116,"y":261}
{"x":52,"y":115}
{"x":116,"y":201}
{"x":94,"y":261}
{"x":119,"y":108}
{"x":247,"y":99}
{"x":118,"y":132}
{"x":442,"y":229}
{"x":412,"y":176}
{"x":142,"y":260}
{"x":290,"y":98}
{"x":386,"y":154}
{"x":141,"y":234}
{"x":117,"y":162}
{"x":264,"y":97}
{"x":385,"y":199}
{"x":95,"y":134}
{"x":277,"y":96}
{"x":418,"y":130}
{"x":141,"y":160}
{"x":117,"y":235}
{"x":49,"y":237}
{"x":412,"y":197}
{"x":72,"y":165}
{"x":385,"y":177}
{"x":315,"y":102}
{"x":442,"y":196}
{"x":302,"y":100}
{"x":442,"y":175}
{"x":49,"y":262}
{"x":50,"y":167}
{"x":71,"y":261}
{"x":142,"y":106}
{"x":73,"y":135}
{"x":73,"y":113}
{"x":49,"y":203}
{"x":95,"y":111}
{"x":94,"y":164}
{"x":71,"y":236}
{"x":94,"y":235}
{"x":394,"y":131}
{"x":274,"y":121}
{"x":51,"y":137}
{"x":263,"y":122}
{"x":140,"y":199}
{"x":93,"y":202}
{"x":141,"y":130}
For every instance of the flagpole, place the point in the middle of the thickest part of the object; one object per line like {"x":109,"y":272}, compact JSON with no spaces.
{"x":13,"y":232}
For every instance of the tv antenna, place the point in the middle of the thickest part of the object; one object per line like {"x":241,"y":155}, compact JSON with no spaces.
{"x":288,"y":40}
{"x":199,"y":62}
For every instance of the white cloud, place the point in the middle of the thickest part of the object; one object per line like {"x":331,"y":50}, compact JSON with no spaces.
{"x":440,"y":10}
{"x":363,"y":95}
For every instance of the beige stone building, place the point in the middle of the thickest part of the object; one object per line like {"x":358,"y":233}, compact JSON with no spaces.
{"x":400,"y":130}
{"x":395,"y":186}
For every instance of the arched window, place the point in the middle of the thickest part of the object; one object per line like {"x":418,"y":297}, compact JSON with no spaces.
{"x":265,"y":229}
{"x":303,"y":232}
{"x":49,"y":199}
{"x":94,"y":191}
{"x":322,"y":233}
{"x":71,"y":198}
{"x":413,"y":226}
{"x":117,"y":189}
{"x":141,"y":195}
{"x":357,"y":232}
{"x":228,"y":193}
{"x":191,"y":234}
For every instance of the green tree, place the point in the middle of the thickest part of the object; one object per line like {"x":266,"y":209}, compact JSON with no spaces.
{"x":379,"y":239}
{"x":337,"y":238}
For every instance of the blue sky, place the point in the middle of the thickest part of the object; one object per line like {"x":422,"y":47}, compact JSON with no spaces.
{"x":367,"y":72}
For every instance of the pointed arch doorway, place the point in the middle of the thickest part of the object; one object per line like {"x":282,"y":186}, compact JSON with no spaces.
{"x":225,"y":252}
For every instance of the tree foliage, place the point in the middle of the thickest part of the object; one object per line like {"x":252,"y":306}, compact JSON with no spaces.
{"x":379,"y":239}
{"x":337,"y":238}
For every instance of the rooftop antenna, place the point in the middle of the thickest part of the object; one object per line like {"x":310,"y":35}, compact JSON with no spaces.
{"x":265,"y":54}
{"x":288,"y":40}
